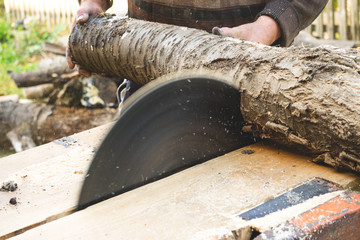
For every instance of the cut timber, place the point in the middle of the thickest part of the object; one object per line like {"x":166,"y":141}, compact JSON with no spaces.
{"x":202,"y":201}
{"x":298,"y":96}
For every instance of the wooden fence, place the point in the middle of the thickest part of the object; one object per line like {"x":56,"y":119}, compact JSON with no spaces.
{"x":339,"y":20}
{"x":52,"y":12}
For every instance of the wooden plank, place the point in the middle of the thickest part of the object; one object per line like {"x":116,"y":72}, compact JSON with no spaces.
{"x":202,"y":201}
{"x":16,"y":9}
{"x":22,"y":10}
{"x":330,"y":19}
{"x":354,"y":19}
{"x":319,"y":27}
{"x":49,"y":178}
{"x":37,"y":9}
{"x":53,"y":13}
{"x":43,"y":153}
{"x":42,"y":11}
{"x":342,"y":20}
{"x":7,"y":6}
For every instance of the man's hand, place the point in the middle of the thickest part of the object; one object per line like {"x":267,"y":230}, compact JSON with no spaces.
{"x":264,"y":30}
{"x":87,"y":8}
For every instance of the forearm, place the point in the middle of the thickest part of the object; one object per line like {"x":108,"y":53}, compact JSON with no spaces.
{"x":293,"y":15}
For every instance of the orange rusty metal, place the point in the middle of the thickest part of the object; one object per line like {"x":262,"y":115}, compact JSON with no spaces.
{"x":338,"y":218}
{"x":333,"y":210}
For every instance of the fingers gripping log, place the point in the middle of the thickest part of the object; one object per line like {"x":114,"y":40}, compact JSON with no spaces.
{"x":303,"y":96}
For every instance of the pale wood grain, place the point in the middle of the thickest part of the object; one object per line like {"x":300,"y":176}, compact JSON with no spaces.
{"x":49,"y":178}
{"x":200,"y":202}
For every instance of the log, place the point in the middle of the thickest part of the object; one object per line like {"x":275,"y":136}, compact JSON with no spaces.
{"x":39,"y":91}
{"x":303,"y":96}
{"x":50,"y":70}
{"x":53,"y":48}
{"x":27,"y":124}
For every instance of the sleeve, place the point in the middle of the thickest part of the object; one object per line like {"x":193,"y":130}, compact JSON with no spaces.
{"x":293,"y":16}
{"x":109,"y":3}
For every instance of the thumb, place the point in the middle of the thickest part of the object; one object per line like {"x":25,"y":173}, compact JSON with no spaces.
{"x":224,"y":31}
{"x":217,"y":31}
{"x":82,"y":17}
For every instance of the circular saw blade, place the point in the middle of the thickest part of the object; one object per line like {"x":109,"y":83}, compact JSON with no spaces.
{"x":164,"y":129}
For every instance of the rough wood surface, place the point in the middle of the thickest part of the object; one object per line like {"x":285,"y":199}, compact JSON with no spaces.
{"x":302,"y":96}
{"x":49,"y":178}
{"x":198,"y":203}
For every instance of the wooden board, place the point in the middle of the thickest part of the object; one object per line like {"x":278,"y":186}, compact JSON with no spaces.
{"x":49,"y":179}
{"x":200,"y":202}
{"x":90,"y":138}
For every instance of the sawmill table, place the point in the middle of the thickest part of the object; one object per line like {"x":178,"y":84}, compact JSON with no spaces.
{"x":202,"y":202}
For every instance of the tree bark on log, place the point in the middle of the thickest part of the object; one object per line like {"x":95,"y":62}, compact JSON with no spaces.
{"x":303,"y":96}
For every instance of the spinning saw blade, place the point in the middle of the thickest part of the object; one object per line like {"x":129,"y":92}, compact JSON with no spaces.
{"x":164,"y":129}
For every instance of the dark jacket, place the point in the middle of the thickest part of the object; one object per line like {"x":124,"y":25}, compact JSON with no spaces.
{"x":291,"y":15}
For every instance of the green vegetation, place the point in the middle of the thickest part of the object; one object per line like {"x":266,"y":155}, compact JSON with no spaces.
{"x":4,"y":152}
{"x":2,"y":7}
{"x":20,"y":49}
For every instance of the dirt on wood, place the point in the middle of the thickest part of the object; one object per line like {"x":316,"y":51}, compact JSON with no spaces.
{"x":9,"y":186}
{"x":13,"y":201}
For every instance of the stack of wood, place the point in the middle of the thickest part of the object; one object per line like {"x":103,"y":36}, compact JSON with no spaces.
{"x":62,"y":102}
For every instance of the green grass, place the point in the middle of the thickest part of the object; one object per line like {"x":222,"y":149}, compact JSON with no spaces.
{"x":19,"y":50}
{"x":6,"y":152}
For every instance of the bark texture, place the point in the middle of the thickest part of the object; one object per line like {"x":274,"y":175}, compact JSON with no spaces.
{"x":302,"y":96}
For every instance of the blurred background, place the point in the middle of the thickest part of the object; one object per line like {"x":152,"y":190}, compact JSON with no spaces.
{"x":41,"y":99}
{"x":25,"y":25}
